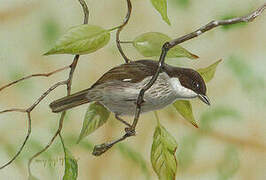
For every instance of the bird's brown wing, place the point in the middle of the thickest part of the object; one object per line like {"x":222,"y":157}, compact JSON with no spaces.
{"x":133,"y":72}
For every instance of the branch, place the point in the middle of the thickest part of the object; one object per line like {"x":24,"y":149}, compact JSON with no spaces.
{"x":168,"y":45}
{"x":68,"y":82}
{"x":28,"y":111}
{"x":120,"y":28}
{"x":215,"y":23}
{"x":102,"y":148}
{"x":34,"y":75}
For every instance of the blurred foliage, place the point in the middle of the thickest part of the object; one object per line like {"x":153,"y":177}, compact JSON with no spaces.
{"x":209,"y":117}
{"x":189,"y":143}
{"x":230,"y":163}
{"x":248,"y":78}
{"x":188,"y":146}
{"x":50,"y":30}
{"x":31,"y":177}
{"x":135,"y":157}
{"x":181,"y":3}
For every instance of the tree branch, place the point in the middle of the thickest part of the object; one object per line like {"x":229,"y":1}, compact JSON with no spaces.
{"x":34,"y":75}
{"x":102,"y":148}
{"x":216,"y":23}
{"x":168,"y":45}
{"x":120,"y":28}
{"x":23,"y":144}
{"x":67,"y":82}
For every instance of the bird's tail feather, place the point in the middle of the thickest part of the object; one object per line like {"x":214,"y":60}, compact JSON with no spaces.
{"x":69,"y":102}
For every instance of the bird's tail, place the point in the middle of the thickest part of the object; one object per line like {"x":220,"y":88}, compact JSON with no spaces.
{"x":69,"y":102}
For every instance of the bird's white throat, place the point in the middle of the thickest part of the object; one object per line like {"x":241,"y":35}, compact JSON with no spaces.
{"x":181,"y":91}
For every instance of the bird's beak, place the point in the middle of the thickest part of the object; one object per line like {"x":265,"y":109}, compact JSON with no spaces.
{"x":205,"y":99}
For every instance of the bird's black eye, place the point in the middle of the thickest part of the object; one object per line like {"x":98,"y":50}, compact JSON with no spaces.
{"x":195,"y":84}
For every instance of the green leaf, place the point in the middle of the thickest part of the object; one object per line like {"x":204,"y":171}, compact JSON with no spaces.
{"x":185,"y":109}
{"x":207,"y":118}
{"x":81,"y":39}
{"x":163,"y":152}
{"x":208,"y":72}
{"x":161,"y":7}
{"x":229,"y":165}
{"x":150,"y":44}
{"x":71,"y":166}
{"x":136,"y":157}
{"x":95,"y":117}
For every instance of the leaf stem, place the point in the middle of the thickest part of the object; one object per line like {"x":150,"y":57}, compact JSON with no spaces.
{"x":114,"y":28}
{"x":126,"y":42}
{"x":157,"y":117}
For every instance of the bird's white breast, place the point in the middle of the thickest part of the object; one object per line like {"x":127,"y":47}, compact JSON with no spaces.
{"x":181,"y":91}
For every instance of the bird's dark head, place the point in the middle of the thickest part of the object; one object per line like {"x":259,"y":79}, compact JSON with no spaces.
{"x":191,"y":80}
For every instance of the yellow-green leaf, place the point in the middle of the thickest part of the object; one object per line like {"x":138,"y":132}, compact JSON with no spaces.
{"x":71,"y":166}
{"x":163,"y":151}
{"x":161,"y":7}
{"x":95,"y":117}
{"x":208,"y":72}
{"x":185,"y":109}
{"x":150,"y":45}
{"x":81,"y":39}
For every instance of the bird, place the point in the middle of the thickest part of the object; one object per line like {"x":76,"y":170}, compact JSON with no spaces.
{"x":118,"y":89}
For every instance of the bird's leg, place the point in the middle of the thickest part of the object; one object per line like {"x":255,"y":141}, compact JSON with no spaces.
{"x":128,"y":129}
{"x":121,"y":120}
{"x":102,"y":148}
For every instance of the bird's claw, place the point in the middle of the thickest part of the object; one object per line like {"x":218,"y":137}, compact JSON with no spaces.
{"x":130,"y":131}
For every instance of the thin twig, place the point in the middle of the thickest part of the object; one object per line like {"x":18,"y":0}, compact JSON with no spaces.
{"x":49,"y":144}
{"x":85,"y":11}
{"x":28,"y":111}
{"x":120,"y":28}
{"x":248,"y":18}
{"x":69,"y":84}
{"x":168,"y":45}
{"x":34,"y":75}
{"x":23,"y":144}
{"x":13,"y":110}
{"x":45,"y":94}
{"x":100,"y":149}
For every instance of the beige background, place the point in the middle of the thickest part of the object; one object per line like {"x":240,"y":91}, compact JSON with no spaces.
{"x":24,"y":37}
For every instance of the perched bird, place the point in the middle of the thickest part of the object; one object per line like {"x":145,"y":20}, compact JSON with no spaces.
{"x":118,"y":88}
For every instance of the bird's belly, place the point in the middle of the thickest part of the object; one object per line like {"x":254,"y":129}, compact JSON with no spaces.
{"x":123,"y":101}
